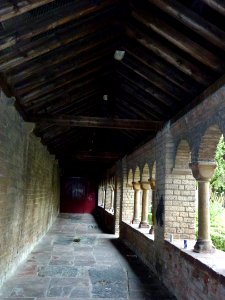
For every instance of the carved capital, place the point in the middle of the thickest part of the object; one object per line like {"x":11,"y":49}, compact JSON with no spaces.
{"x":202,"y":170}
{"x":145,"y":185}
{"x":136,"y":186}
{"x":152,"y":183}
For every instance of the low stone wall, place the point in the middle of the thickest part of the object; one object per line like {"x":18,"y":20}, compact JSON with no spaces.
{"x":185,"y":276}
{"x":107,"y":219}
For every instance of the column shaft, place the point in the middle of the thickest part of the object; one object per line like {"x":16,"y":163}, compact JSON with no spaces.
{"x":153,"y":211}
{"x":203,"y":171}
{"x":136,"y":217}
{"x":144,"y":213}
{"x":203,"y":211}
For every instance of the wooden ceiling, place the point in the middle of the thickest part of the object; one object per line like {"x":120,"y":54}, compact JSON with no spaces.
{"x":57,"y":60}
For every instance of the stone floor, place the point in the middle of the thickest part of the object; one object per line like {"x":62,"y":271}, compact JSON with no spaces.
{"x":76,"y":260}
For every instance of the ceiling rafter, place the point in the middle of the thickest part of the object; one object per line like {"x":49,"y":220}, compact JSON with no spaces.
{"x":56,"y":58}
{"x":82,"y":121}
{"x":180,"y":40}
{"x":62,"y":83}
{"x":46,"y":45}
{"x":155,"y":80}
{"x":218,"y":5}
{"x":132,"y":101}
{"x":64,"y":16}
{"x":20,"y":7}
{"x":73,"y":65}
{"x":58,"y":62}
{"x":67,"y":93}
{"x":162,"y":68}
{"x":130,"y":106}
{"x":167,"y":54}
{"x":192,"y":20}
{"x":154,"y":95}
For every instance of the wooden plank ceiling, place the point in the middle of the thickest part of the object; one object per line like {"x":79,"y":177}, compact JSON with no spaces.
{"x":57,"y":60}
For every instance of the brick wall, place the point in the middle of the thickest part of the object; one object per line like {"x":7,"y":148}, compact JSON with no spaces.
{"x":191,"y":138}
{"x":185,"y":276}
{"x":29,"y":195}
{"x":140,"y":244}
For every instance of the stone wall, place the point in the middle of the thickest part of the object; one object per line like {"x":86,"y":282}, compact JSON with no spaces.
{"x":107,"y":219}
{"x":184,"y":275}
{"x":29,"y":183}
{"x":189,"y":139}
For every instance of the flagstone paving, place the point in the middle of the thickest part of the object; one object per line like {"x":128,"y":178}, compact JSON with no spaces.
{"x":77,"y":260}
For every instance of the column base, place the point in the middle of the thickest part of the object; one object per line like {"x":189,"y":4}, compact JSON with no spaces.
{"x":151,"y":231}
{"x":143,"y":225}
{"x":204,"y":246}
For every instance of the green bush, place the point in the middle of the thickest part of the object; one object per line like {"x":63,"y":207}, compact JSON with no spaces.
{"x":218,"y":179}
{"x":150,"y":218}
{"x":218,"y":240}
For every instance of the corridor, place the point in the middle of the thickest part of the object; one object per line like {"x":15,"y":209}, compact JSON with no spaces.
{"x":77,"y":260}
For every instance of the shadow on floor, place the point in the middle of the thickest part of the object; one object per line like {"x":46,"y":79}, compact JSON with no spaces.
{"x":142,"y":283}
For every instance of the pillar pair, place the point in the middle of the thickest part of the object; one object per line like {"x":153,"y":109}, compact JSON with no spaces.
{"x":203,"y":172}
{"x":145,"y":187}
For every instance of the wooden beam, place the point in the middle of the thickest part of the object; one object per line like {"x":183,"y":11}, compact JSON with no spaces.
{"x":163,"y":68}
{"x":88,"y":105}
{"x":156,"y":80}
{"x":130,"y":106}
{"x":158,"y":96}
{"x":217,"y":5}
{"x":54,"y":106}
{"x":145,"y":100}
{"x":131,"y":102}
{"x":61,"y":72}
{"x":180,"y":40}
{"x":75,"y":51}
{"x":92,"y":155}
{"x":192,"y":20}
{"x":19,"y":7}
{"x":52,"y":21}
{"x":168,"y":54}
{"x":93,"y":122}
{"x":131,"y":95}
{"x":62,"y":83}
{"x":46,"y":45}
{"x":70,"y":92}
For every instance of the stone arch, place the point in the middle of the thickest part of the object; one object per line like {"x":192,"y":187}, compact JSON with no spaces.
{"x":208,"y":144}
{"x":137,"y":175}
{"x":145,"y":173}
{"x":183,"y":155}
{"x":130,"y":177}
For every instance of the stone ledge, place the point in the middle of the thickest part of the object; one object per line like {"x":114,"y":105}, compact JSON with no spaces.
{"x":141,"y":231}
{"x":214,"y":264}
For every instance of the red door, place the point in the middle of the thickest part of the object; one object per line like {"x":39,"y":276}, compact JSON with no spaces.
{"x":78,"y":195}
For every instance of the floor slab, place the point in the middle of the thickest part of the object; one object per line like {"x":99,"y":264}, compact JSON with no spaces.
{"x":77,"y":260}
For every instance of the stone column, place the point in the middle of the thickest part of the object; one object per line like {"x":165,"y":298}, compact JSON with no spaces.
{"x":137,"y":188}
{"x":104,"y":197}
{"x":112,"y":198}
{"x":145,"y":186}
{"x":152,"y":183}
{"x":202,"y":172}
